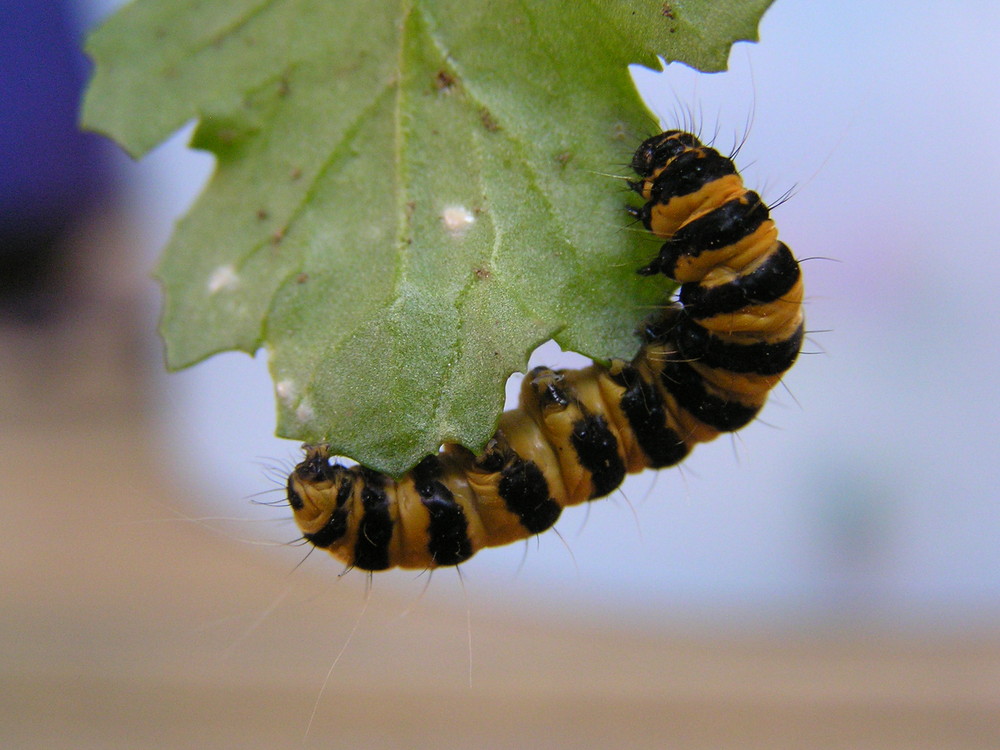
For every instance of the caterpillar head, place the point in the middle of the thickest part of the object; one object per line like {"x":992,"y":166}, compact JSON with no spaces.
{"x":317,"y":493}
{"x":654,"y":153}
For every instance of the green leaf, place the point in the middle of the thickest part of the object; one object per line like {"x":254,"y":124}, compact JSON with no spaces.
{"x":409,"y":195}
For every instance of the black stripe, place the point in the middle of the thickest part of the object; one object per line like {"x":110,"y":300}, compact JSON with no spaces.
{"x":657,"y":150}
{"x":425,"y":472}
{"x":647,"y":416}
{"x":763,"y":358}
{"x":448,"y":532}
{"x":726,"y":225}
{"x":689,"y":172}
{"x":332,"y":531}
{"x":645,"y":215}
{"x":526,"y":494}
{"x":294,"y":499}
{"x":346,"y":486}
{"x":371,"y":548}
{"x":688,"y":387}
{"x":597,"y":449}
{"x":770,"y":281}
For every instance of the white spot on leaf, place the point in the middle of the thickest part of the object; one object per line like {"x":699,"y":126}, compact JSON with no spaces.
{"x":304,"y":413}
{"x":223,"y":278}
{"x":457,"y":220}
{"x":286,"y":391}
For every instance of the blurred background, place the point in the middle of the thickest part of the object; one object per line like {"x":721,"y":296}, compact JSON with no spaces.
{"x":830,"y":577}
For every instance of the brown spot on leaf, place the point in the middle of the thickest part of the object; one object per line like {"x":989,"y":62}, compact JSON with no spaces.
{"x":486,"y":117}
{"x":444,"y":81}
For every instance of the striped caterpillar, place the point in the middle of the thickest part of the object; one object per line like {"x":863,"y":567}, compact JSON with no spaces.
{"x":706,"y":365}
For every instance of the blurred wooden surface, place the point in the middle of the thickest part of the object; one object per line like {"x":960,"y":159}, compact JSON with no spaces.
{"x":122,"y":628}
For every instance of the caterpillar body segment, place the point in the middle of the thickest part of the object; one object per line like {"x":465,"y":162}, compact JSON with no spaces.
{"x":706,"y":365}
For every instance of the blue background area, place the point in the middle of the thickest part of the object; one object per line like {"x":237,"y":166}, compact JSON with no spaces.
{"x":45,"y":157}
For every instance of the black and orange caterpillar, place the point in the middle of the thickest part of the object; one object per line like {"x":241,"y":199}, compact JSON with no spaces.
{"x":707,"y":363}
